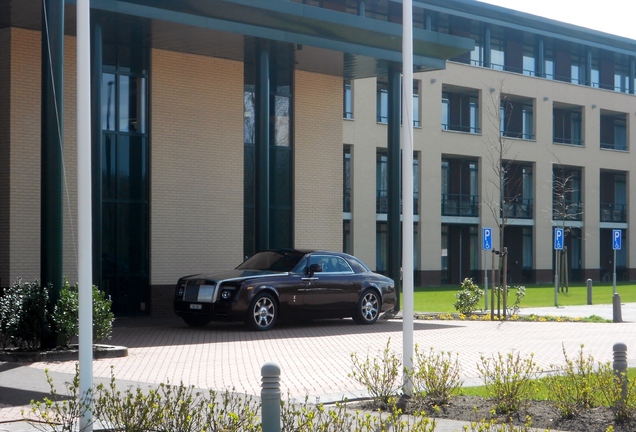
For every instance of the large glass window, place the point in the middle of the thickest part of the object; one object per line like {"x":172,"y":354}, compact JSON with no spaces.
{"x":382,"y":182}
{"x":460,"y":109}
{"x":567,"y":124}
{"x":382,"y":103}
{"x":125,"y":179}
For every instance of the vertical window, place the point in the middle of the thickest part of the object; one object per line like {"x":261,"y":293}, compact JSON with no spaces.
{"x":382,"y":183}
{"x":416,"y":183}
{"x":497,"y":51}
{"x":347,"y":239}
{"x":416,"y":103}
{"x":125,"y":179}
{"x":382,"y":103}
{"x":527,"y":248}
{"x":548,"y":65}
{"x":346,"y":181}
{"x":445,"y":113}
{"x":347,"y":103}
{"x":475,"y":250}
{"x":381,"y":246}
{"x":528,"y":60}
{"x":444,"y":253}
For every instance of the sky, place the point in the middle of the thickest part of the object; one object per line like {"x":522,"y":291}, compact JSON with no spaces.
{"x":610,"y":16}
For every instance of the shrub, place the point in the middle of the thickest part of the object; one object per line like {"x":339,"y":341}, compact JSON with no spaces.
{"x":509,"y":380}
{"x":24,"y":319}
{"x":468,"y":297}
{"x":379,"y":375}
{"x":435,"y":376}
{"x":66,"y":318}
{"x":575,"y":385}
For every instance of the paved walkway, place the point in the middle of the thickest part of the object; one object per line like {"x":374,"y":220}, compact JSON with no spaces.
{"x":315,"y":358}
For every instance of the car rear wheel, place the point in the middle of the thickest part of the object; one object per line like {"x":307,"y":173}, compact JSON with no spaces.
{"x":196,"y":320}
{"x":368,"y":308}
{"x":262,"y":313}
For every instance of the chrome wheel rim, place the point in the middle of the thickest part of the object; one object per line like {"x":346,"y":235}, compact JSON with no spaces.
{"x":264,"y":311}
{"x":370,"y":307}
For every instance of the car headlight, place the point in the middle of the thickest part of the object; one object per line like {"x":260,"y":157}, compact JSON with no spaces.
{"x":226,"y":295}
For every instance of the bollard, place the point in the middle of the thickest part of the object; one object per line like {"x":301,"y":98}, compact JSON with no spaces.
{"x":270,"y":397}
{"x":589,"y":291}
{"x":618,"y":316}
{"x":620,"y":367}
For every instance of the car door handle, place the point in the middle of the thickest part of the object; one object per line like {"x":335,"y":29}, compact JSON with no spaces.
{"x":309,"y":279}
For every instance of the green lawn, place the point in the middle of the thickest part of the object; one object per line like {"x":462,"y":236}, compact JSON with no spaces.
{"x":442,"y":298}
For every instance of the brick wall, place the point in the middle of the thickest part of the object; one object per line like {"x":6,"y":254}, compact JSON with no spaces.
{"x":318,"y":157}
{"x":196,"y":165}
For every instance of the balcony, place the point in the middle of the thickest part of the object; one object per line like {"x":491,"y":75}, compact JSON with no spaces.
{"x":612,"y":212}
{"x":460,"y":205}
{"x":568,"y":211}
{"x":518,"y":208}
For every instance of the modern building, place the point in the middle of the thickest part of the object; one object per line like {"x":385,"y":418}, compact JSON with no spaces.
{"x":223,"y":127}
{"x":532,"y":130}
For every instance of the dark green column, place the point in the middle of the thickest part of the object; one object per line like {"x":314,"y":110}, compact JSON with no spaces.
{"x":51,"y":145}
{"x":96,"y":148}
{"x":262,"y":137}
{"x":394,"y":238}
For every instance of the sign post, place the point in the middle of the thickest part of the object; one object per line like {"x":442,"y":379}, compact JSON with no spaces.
{"x":558,"y":246}
{"x":616,"y":245}
{"x":486,"y":246}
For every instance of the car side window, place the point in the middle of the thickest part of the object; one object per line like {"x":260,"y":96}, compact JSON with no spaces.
{"x":331,"y":264}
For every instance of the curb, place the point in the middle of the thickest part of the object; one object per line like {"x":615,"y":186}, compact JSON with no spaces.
{"x":72,"y":353}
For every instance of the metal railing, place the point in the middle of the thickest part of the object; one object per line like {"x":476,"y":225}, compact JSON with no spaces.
{"x":612,"y":212}
{"x":460,"y":205}
{"x":567,"y":210}
{"x":518,"y":208}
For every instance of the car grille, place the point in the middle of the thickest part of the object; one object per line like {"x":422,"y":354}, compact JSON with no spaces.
{"x":197,"y":292}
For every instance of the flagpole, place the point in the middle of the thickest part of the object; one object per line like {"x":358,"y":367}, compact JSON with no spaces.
{"x":407,"y":189}
{"x":85,"y":271}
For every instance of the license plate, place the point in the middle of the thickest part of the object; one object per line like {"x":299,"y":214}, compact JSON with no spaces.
{"x":196,"y":306}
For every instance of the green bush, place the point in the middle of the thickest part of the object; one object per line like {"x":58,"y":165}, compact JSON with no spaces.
{"x":436,"y":376}
{"x":509,"y":380}
{"x":468,"y":297}
{"x":379,"y":375}
{"x":24,"y":319}
{"x":574,"y":386}
{"x":66,"y":318}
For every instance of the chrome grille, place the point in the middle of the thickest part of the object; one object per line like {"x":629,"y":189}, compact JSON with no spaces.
{"x":191,"y":291}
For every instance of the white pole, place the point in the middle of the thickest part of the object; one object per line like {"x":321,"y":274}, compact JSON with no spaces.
{"x":407,"y":189}
{"x":84,"y":218}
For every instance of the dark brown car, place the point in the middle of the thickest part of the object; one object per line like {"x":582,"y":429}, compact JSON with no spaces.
{"x":286,"y":284}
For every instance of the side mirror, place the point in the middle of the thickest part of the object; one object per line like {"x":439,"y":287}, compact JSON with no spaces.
{"x":315,"y":268}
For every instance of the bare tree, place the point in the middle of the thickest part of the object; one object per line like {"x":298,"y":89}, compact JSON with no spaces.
{"x":500,"y":198}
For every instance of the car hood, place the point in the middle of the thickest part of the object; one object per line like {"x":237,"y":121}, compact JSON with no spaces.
{"x":233,"y":275}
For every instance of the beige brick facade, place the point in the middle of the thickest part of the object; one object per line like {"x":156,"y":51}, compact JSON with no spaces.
{"x":318,"y":161}
{"x":196,"y":165}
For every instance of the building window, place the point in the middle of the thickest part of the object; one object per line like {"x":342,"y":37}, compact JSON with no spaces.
{"x":381,"y":242}
{"x":567,"y":124}
{"x":548,"y":64}
{"x":382,"y":103}
{"x":460,"y":109}
{"x":613,"y":194}
{"x":497,"y":49}
{"x":346,"y":181}
{"x":529,"y":62}
{"x":347,"y":103}
{"x":416,"y":103}
{"x":613,"y":130}
{"x":517,"y":117}
{"x":382,"y":183}
{"x":125,"y":215}
{"x":567,"y":202}
{"x":518,"y":191}
{"x":578,"y":69}
{"x":347,"y":238}
{"x":460,"y":188}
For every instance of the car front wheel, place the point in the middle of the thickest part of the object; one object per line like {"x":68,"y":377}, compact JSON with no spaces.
{"x":263,"y":312}
{"x":368,"y":308}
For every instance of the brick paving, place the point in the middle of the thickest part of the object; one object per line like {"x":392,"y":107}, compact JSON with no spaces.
{"x":315,"y":358}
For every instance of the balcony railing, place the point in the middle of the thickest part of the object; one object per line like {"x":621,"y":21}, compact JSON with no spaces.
{"x":567,"y":210}
{"x":565,"y":140}
{"x":518,"y":208}
{"x":612,"y":212}
{"x":460,"y":205}
{"x":517,"y":134}
{"x":382,"y":202}
{"x":460,"y":128}
{"x":614,"y":146}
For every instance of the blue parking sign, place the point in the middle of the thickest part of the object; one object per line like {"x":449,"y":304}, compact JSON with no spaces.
{"x":616,"y":239}
{"x":558,"y":238}
{"x":487,"y":239}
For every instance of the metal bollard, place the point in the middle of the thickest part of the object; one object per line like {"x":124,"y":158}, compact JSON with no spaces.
{"x":618,"y":316}
{"x":589,"y":291}
{"x":270,"y":397}
{"x":620,"y":367}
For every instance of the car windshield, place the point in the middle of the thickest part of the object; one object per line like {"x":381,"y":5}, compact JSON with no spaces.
{"x":280,"y":261}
